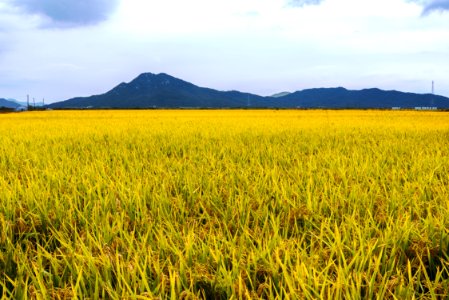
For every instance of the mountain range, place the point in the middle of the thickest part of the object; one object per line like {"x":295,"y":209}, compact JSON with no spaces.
{"x":9,"y":103}
{"x":164,"y":91}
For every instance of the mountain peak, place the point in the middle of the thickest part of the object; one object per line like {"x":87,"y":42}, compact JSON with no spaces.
{"x":152,"y":79}
{"x":144,"y":76}
{"x":149,"y":76}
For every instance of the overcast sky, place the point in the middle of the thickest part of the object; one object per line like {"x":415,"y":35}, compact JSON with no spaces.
{"x":58,"y":49}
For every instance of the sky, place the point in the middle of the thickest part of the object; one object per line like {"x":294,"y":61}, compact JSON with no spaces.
{"x":59,"y":49}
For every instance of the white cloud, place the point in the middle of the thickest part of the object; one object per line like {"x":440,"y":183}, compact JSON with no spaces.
{"x":302,"y":3}
{"x":430,"y":6}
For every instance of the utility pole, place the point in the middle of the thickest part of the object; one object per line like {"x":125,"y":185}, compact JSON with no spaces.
{"x":433,"y":87}
{"x":28,"y":101}
{"x":34,"y":103}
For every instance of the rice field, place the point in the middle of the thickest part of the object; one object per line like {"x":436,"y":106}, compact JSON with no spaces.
{"x":224,"y":204}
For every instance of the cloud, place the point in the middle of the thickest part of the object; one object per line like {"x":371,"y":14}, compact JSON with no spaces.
{"x":69,"y":13}
{"x":430,"y":6}
{"x":438,"y":5}
{"x":300,"y":3}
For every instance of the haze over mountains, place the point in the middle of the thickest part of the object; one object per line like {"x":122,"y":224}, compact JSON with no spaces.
{"x":164,"y":91}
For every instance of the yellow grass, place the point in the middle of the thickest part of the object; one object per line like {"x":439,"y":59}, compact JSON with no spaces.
{"x":224,"y":204}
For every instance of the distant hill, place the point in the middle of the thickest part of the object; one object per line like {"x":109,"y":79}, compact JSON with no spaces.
{"x":8,"y":103}
{"x":282,"y":94}
{"x":367,"y":98}
{"x":164,"y":91}
{"x":24,"y":104}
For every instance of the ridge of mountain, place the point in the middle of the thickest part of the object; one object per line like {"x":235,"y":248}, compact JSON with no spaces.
{"x":8,"y":104}
{"x":366,"y":98}
{"x":162,"y":91}
{"x":150,"y":90}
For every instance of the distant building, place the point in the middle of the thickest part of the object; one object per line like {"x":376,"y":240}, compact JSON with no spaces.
{"x":426,"y":108}
{"x":21,"y":108}
{"x":395,"y":108}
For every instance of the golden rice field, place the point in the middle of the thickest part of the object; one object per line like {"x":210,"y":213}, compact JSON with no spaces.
{"x":224,"y":204}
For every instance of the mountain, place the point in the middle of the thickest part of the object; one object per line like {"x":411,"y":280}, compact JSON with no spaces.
{"x":8,"y":104}
{"x":24,"y":104}
{"x":282,"y":94}
{"x":367,"y":98}
{"x":164,"y":91}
